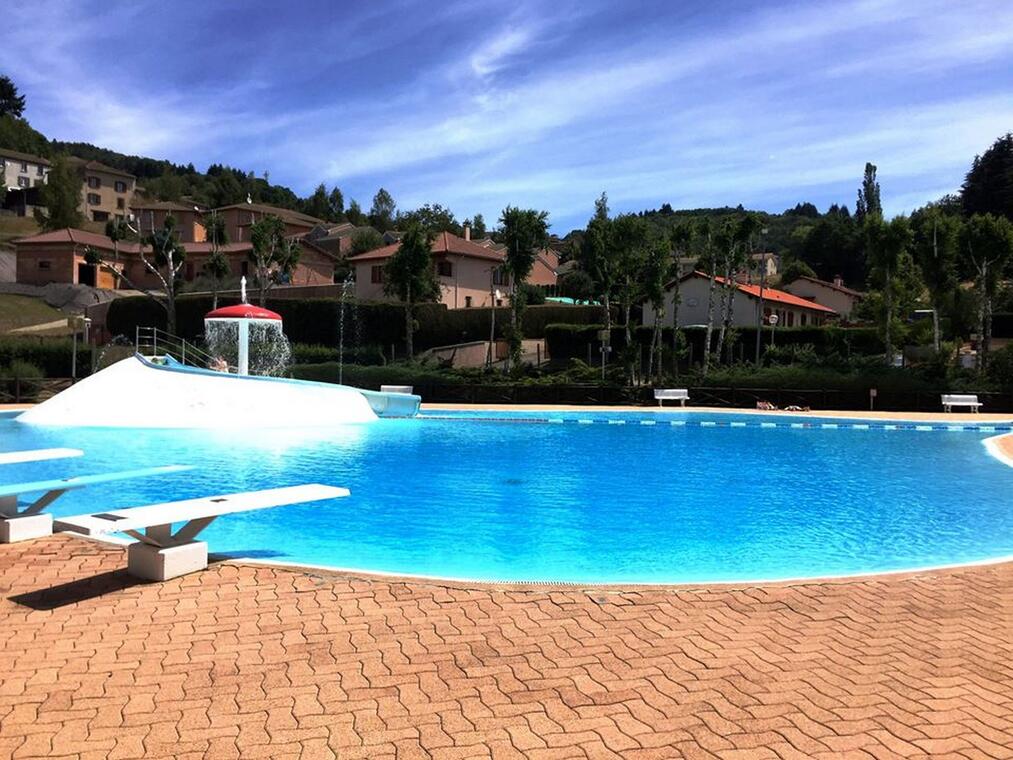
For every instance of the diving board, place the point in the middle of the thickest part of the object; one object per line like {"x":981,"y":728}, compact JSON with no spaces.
{"x":38,"y":455}
{"x":20,"y":522}
{"x":160,"y":554}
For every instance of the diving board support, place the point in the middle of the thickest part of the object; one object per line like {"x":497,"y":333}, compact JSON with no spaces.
{"x":160,"y":554}
{"x":20,"y":522}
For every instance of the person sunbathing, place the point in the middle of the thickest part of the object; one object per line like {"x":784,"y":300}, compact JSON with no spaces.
{"x":795,"y":408}
{"x":766,"y":406}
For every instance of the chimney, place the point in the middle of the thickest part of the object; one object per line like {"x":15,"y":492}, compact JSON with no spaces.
{"x":838,"y":281}
{"x":467,"y":231}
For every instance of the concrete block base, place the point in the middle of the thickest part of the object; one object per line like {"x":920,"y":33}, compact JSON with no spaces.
{"x":22,"y":528}
{"x":152,"y":563}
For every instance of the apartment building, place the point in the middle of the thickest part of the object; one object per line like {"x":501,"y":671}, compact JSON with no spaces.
{"x":106,"y":193}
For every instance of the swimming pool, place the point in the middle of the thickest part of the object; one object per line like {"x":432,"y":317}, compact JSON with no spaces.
{"x":581,"y":497}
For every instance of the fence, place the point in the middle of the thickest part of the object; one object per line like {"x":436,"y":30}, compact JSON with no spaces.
{"x":17,"y":390}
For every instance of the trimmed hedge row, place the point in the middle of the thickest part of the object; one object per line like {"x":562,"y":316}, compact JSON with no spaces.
{"x":571,"y":341}
{"x":317,"y":320}
{"x":51,"y":355}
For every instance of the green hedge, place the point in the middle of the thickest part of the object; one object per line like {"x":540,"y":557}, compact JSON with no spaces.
{"x":372,"y":378}
{"x":51,"y":355}
{"x":571,"y":341}
{"x":317,"y":320}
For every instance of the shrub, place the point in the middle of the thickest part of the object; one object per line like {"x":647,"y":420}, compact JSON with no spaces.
{"x":52,"y":356}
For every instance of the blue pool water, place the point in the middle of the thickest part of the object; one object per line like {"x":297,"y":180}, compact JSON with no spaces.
{"x":587,"y":497}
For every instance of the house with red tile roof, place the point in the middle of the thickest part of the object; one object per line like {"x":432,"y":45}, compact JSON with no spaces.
{"x":834,"y":294}
{"x":469,"y":274}
{"x":791,"y":310}
{"x":59,"y":256}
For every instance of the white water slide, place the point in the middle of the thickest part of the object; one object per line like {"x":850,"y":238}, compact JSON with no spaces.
{"x":161,"y":393}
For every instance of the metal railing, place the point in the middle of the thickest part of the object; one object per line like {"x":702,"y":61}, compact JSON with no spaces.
{"x":152,"y":341}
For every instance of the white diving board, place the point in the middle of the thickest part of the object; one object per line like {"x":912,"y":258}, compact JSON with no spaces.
{"x":38,"y":455}
{"x":21,"y":522}
{"x":161,"y":554}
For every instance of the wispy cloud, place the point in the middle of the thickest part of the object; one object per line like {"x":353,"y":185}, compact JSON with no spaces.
{"x":480,"y":103}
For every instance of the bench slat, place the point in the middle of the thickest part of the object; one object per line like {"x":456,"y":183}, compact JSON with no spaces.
{"x":138,"y":518}
{"x":80,"y":481}
{"x":38,"y":455}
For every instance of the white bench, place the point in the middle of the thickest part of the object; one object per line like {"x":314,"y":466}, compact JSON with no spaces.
{"x":397,"y":388}
{"x":37,"y":455}
{"x":671,"y":394}
{"x":951,"y":400}
{"x":160,"y":554}
{"x":21,"y":522}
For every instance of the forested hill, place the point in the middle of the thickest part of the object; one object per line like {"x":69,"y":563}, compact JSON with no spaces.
{"x":219,"y":186}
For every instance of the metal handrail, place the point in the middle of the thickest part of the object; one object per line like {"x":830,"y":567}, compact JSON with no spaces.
{"x":179,"y":348}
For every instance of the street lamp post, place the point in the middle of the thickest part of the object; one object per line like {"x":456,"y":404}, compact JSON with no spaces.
{"x":773,"y":328}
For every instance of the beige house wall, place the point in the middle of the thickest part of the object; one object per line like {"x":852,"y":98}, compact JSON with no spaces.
{"x":840,"y":302}
{"x":468,"y":285}
{"x":11,"y":169}
{"x":111,"y":201}
{"x":693,"y":308}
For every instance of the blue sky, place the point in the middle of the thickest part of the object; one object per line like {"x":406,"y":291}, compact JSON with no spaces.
{"x":479,"y":104}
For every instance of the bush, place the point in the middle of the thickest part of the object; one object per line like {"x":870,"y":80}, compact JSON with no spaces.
{"x":51,"y":356}
{"x":315,"y":354}
{"x":1000,"y":367}
{"x":19,"y":376}
{"x":317,"y":320}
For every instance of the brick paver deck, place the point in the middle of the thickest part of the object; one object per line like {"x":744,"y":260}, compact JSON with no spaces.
{"x":250,"y":661}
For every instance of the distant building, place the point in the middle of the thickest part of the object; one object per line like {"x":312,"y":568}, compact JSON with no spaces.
{"x":761,"y":262}
{"x":106,"y":193}
{"x":239,"y":217}
{"x":59,"y":256}
{"x":22,"y":175}
{"x":469,"y":274}
{"x":150,"y":215}
{"x":833,"y":294}
{"x":791,"y":310}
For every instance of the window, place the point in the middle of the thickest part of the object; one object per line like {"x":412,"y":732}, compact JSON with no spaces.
{"x":121,"y":203}
{"x":499,"y":277}
{"x":802,"y":320}
{"x":100,"y":216}
{"x":94,"y":199}
{"x":120,"y":186}
{"x":23,"y":182}
{"x":24,"y":166}
{"x":40,"y":170}
{"x":467,"y":302}
{"x":376,"y":274}
{"x":45,"y":264}
{"x":94,"y":183}
{"x":444,"y":269}
{"x":244,"y":268}
{"x":791,"y":319}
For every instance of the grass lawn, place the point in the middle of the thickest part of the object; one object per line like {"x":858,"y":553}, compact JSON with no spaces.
{"x":22,"y":311}
{"x":14,"y":227}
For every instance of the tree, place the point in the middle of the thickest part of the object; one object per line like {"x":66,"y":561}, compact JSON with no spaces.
{"x":988,"y":186}
{"x":217,"y":265}
{"x":478,"y":231}
{"x":886,"y":243}
{"x":165,"y":264}
{"x":576,"y":284}
{"x":708,"y":261}
{"x":597,"y":257}
{"x":409,"y":276}
{"x":657,"y":268}
{"x":987,"y":242}
{"x":17,"y":134}
{"x":935,"y":246}
{"x":365,"y":240}
{"x":631,"y":238}
{"x":681,"y":239}
{"x":354,"y":214}
{"x":381,"y":214}
{"x":273,"y":255}
{"x":525,"y":232}
{"x":794,"y":269}
{"x":433,"y":217}
{"x":336,"y":202}
{"x":868,"y":196}
{"x":11,"y":103}
{"x":318,"y":204}
{"x":61,"y":195}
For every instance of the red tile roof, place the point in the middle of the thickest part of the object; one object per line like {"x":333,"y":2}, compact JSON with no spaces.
{"x":834,"y":286}
{"x":769,"y":294}
{"x":444,"y":242}
{"x":70,"y":235}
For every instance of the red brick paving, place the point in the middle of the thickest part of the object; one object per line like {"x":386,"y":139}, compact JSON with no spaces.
{"x":257,"y":662}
